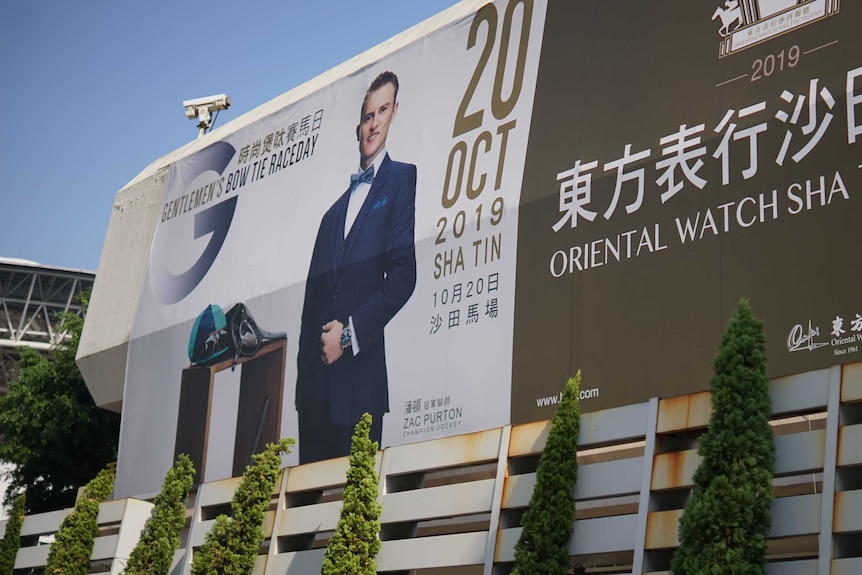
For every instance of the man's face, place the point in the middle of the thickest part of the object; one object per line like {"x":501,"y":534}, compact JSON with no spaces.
{"x":378,"y":113}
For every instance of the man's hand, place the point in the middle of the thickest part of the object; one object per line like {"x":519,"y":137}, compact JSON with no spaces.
{"x":330,"y":342}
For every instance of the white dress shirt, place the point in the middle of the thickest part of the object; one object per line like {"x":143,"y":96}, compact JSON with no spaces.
{"x":354,"y":203}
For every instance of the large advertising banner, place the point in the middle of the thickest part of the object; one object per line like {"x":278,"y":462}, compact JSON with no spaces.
{"x":414,"y":258}
{"x":684,"y":155}
{"x":444,"y":236}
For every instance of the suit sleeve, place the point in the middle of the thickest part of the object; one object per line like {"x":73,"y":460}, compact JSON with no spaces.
{"x":308,"y":355}
{"x":398,"y":285}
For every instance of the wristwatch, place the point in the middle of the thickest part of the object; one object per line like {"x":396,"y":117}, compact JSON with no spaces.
{"x":346,"y":337}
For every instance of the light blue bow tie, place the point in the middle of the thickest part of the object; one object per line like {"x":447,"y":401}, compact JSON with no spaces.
{"x":366,"y":177}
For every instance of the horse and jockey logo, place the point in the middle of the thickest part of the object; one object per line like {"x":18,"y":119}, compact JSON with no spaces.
{"x":746,"y":23}
{"x":731,"y":15}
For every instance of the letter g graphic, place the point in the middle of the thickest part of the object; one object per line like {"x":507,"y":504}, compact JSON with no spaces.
{"x":168,"y":287}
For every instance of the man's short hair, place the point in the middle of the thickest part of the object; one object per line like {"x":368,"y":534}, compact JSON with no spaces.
{"x":381,"y":80}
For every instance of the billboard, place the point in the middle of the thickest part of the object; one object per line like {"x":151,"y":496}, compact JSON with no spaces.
{"x":444,"y":236}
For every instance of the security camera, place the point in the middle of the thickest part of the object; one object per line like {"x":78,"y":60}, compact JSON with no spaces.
{"x":209,"y":103}
{"x":202,"y":109}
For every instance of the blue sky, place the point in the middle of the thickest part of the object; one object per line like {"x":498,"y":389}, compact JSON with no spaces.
{"x":91,"y":93}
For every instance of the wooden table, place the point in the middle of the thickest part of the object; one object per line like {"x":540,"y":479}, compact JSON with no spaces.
{"x":258,"y":413}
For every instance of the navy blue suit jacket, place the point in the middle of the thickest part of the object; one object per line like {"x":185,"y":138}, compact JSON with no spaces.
{"x":369,"y":276}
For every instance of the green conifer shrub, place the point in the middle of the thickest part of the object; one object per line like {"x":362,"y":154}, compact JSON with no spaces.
{"x":543,"y":547}
{"x":231,"y":546}
{"x":11,"y":541}
{"x":70,"y":552}
{"x":725,"y":523}
{"x":161,"y":535}
{"x":355,"y":544}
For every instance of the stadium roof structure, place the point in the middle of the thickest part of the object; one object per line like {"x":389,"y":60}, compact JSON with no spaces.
{"x":33,"y":299}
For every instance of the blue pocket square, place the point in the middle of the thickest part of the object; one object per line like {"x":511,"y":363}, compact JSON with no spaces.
{"x":380,"y":203}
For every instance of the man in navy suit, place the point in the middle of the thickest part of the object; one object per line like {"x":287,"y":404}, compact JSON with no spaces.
{"x":363,"y":270}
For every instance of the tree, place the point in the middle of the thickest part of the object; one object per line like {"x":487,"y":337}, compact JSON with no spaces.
{"x":11,"y":541}
{"x":160,"y":538}
{"x":543,"y":547}
{"x":725,"y":523}
{"x":231,"y":546}
{"x":355,"y":544}
{"x":73,"y":545}
{"x":54,"y":435}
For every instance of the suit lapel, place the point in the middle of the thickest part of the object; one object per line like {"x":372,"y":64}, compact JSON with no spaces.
{"x":369,"y":203}
{"x":338,"y":241}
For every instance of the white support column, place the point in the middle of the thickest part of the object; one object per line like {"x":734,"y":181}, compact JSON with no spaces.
{"x":186,"y":563}
{"x":382,"y":472}
{"x":646,"y":484}
{"x":497,"y":500}
{"x":830,"y":462}
{"x":279,"y":511}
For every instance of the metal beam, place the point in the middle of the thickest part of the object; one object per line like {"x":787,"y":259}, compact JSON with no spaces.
{"x":32,"y":303}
